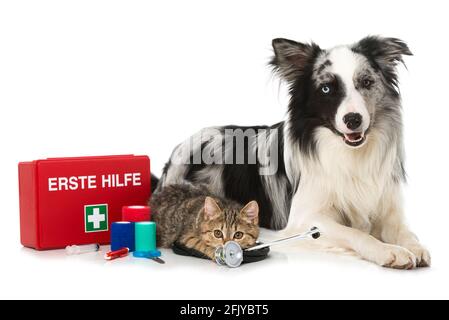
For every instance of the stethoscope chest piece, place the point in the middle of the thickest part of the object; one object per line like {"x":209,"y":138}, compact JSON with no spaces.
{"x":230,"y":254}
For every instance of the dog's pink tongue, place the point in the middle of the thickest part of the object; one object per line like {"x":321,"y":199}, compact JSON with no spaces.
{"x":353,"y":136}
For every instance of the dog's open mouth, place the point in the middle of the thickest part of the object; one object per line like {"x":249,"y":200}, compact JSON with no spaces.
{"x":354,"y":139}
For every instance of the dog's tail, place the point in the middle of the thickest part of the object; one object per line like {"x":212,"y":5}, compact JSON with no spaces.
{"x":154,"y":182}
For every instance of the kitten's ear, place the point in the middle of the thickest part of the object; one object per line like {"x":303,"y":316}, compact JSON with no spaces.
{"x":251,"y":212}
{"x":291,"y":57}
{"x":211,"y":208}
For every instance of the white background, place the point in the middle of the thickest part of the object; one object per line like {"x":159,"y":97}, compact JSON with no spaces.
{"x":114,"y":77}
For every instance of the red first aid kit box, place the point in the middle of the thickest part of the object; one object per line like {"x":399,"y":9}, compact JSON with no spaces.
{"x":67,"y":201}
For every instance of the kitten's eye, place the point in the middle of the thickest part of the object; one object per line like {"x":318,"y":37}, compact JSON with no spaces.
{"x":325,"y":88}
{"x":218,"y":234}
{"x":238,"y":235}
{"x":367,"y":83}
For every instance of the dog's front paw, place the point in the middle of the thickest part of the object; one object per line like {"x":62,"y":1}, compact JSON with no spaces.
{"x":396,"y":257}
{"x":422,"y":255}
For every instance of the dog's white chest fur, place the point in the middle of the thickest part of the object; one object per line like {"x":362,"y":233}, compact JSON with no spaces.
{"x":348,"y":184}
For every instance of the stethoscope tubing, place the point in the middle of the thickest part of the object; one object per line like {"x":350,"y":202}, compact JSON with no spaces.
{"x":313,"y":233}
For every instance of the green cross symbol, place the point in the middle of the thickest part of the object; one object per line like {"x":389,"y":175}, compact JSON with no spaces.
{"x":96,"y":218}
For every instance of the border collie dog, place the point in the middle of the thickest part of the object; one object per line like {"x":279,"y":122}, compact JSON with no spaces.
{"x":339,"y":153}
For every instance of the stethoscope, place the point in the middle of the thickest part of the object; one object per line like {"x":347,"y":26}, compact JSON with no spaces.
{"x":231,"y":254}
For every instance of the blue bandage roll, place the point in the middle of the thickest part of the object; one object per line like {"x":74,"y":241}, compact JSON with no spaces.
{"x":147,"y":254}
{"x":122,"y":235}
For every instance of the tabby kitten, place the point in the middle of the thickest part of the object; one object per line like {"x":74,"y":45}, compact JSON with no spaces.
{"x":199,"y":220}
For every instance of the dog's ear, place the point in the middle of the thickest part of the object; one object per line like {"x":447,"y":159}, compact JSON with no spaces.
{"x":385,"y":54}
{"x":291,"y":57}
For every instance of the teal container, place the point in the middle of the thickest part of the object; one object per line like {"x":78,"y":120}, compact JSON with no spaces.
{"x":145,"y":236}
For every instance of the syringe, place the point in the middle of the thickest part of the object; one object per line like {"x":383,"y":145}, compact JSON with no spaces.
{"x":71,"y":250}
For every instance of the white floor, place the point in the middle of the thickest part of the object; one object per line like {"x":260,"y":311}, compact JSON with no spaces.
{"x":291,"y":272}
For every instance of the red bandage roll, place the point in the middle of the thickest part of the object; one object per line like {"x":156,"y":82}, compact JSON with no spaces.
{"x":136,"y":213}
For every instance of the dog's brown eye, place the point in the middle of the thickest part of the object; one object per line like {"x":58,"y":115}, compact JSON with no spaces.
{"x":367,"y":83}
{"x":218,"y":234}
{"x":238,"y":235}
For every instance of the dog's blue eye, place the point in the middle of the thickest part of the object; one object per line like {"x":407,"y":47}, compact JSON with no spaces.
{"x":325,"y":89}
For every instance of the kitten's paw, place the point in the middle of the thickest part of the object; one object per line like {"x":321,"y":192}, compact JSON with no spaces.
{"x":422,"y":255}
{"x":396,"y":257}
{"x":210,"y":253}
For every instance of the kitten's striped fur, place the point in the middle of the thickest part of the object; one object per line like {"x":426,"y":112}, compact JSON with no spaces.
{"x":200,"y":220}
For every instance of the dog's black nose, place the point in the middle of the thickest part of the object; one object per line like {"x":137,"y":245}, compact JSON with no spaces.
{"x":352,"y":120}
